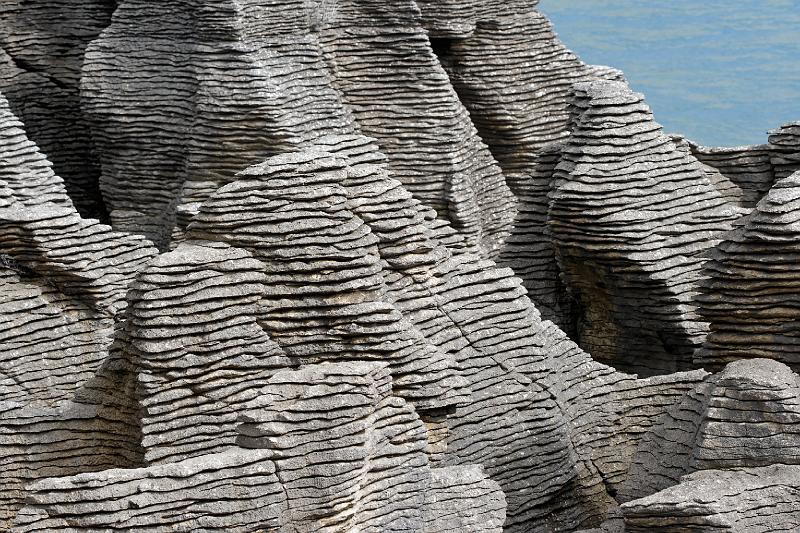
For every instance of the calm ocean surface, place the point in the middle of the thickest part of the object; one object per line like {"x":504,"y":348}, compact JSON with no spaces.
{"x":720,"y":72}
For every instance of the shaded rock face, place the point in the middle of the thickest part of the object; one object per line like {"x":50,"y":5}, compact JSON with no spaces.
{"x":391,"y":236}
{"x":42,"y":47}
{"x":630,"y":215}
{"x":201,"y":131}
{"x":750,"y":293}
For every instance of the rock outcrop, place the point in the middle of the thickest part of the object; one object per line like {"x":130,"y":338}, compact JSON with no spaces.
{"x":630,"y":215}
{"x":748,"y":415}
{"x":750,"y":293}
{"x":42,"y":45}
{"x":757,"y":500}
{"x":408,"y":253}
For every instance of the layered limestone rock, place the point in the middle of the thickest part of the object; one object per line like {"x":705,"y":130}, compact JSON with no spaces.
{"x":416,"y":116}
{"x":748,"y":167}
{"x":757,"y":500}
{"x":204,"y":89}
{"x":785,"y":145}
{"x":27,"y":175}
{"x":327,"y":449}
{"x":297,"y":212}
{"x":198,"y":135}
{"x":63,"y":406}
{"x":746,"y":416}
{"x":630,"y":215}
{"x":199,"y":352}
{"x":329,"y":346}
{"x":750,"y":296}
{"x":326,"y":297}
{"x":41,"y":53}
{"x":514,"y":76}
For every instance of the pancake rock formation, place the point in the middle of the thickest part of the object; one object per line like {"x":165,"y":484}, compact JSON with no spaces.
{"x":377,"y":267}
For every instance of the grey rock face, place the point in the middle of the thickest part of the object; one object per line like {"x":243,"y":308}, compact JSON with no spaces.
{"x":369,"y":473}
{"x":745,"y":416}
{"x":325,"y":342}
{"x":41,"y":54}
{"x":749,"y":296}
{"x":747,"y":499}
{"x":630,"y":215}
{"x":749,"y":168}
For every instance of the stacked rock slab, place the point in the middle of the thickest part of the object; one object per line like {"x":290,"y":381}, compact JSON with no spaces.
{"x":630,"y":215}
{"x":785,"y":145}
{"x":755,"y":500}
{"x":417,"y":118}
{"x":748,"y":167}
{"x":197,"y":135}
{"x":325,"y":295}
{"x":182,"y":95}
{"x":746,"y":416}
{"x":306,"y":467}
{"x":199,"y":352}
{"x":41,"y":54}
{"x":62,"y":404}
{"x":750,"y":296}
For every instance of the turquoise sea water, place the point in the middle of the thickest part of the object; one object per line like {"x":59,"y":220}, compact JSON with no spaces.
{"x":720,"y":72}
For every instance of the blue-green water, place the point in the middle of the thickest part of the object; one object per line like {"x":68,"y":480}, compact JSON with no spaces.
{"x":720,"y":72}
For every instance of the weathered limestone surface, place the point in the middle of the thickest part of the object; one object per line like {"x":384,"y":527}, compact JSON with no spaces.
{"x":42,"y":43}
{"x":750,"y":293}
{"x":370,"y":473}
{"x":747,"y":415}
{"x":399,"y":241}
{"x":757,"y":500}
{"x":630,"y":215}
{"x":748,"y":167}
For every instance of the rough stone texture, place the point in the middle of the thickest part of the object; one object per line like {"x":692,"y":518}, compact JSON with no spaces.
{"x":27,"y":175}
{"x":750,"y":296}
{"x":630,"y":215}
{"x":785,"y":145}
{"x":325,"y":292}
{"x":752,"y":500}
{"x":204,"y":89}
{"x":370,"y":472}
{"x":329,"y":344}
{"x":199,"y":135}
{"x":748,"y":167}
{"x":198,"y":349}
{"x":747,"y":415}
{"x":42,"y":43}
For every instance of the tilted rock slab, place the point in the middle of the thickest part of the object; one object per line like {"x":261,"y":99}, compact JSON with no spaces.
{"x":25,"y":171}
{"x":751,"y":500}
{"x":747,"y":415}
{"x":750,"y":296}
